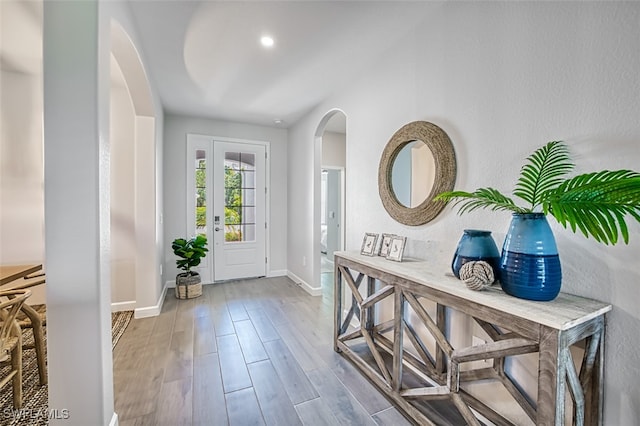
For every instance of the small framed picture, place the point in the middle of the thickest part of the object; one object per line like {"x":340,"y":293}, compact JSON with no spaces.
{"x":396,"y":248}
{"x":384,"y":245}
{"x":369,"y":244}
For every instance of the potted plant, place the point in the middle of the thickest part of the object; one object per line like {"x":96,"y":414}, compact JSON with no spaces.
{"x":190,"y":253}
{"x":595,"y":203}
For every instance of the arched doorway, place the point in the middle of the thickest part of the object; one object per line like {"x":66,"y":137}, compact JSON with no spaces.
{"x":135,"y":280}
{"x":329,"y":197}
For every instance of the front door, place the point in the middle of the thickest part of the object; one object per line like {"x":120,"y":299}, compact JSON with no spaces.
{"x":239,"y":206}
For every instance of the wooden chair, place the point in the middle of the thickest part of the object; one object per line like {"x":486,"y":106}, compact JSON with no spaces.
{"x":11,"y":301}
{"x":34,"y":317}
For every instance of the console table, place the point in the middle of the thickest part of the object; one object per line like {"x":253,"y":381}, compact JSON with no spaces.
{"x":427,"y":374}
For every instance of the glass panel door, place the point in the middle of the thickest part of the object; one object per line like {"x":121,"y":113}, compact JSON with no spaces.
{"x":240,"y":210}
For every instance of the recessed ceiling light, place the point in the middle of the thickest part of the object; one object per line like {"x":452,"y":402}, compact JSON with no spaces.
{"x":267,"y":41}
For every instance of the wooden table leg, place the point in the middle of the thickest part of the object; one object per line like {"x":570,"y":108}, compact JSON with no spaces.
{"x":551,"y":383}
{"x":597,"y":399}
{"x":441,"y":361}
{"x":371,"y":311}
{"x":592,"y":374}
{"x":337,"y":304}
{"x":398,"y":328}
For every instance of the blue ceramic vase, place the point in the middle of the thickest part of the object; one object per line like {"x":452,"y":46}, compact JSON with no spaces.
{"x":476,"y":245}
{"x":530,"y":265}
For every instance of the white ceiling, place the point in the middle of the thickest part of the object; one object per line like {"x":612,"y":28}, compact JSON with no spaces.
{"x":205,"y":58}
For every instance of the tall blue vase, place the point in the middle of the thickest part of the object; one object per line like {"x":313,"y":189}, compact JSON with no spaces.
{"x":530,"y":264}
{"x":476,"y":245}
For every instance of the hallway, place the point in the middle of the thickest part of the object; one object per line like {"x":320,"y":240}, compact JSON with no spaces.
{"x":245,"y":352}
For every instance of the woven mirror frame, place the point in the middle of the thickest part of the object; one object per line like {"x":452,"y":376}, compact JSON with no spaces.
{"x":445,"y":172}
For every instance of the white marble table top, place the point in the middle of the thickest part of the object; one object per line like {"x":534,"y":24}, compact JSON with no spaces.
{"x":562,"y":313}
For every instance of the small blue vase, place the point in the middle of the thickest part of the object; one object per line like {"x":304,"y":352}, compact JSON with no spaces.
{"x":530,"y":264}
{"x":476,"y":245}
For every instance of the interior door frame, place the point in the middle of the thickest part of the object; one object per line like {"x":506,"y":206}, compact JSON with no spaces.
{"x":193,"y":141}
{"x":342,"y":202}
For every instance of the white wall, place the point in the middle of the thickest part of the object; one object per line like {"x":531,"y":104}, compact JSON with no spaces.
{"x":333,"y":152}
{"x":76,"y":60}
{"x":501,"y":79}
{"x":175,"y":148}
{"x":21,"y":170}
{"x":303,"y":163}
{"x":146,"y":149}
{"x":123,"y":226}
{"x":21,"y":152}
{"x":21,"y":166}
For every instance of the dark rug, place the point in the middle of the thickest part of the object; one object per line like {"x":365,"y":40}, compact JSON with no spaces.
{"x":34,"y":409}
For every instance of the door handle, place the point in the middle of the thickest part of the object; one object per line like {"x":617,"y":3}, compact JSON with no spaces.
{"x":217,"y":229}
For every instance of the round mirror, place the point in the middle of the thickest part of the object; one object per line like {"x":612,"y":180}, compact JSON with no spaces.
{"x":413,"y":173}
{"x":417,"y":164}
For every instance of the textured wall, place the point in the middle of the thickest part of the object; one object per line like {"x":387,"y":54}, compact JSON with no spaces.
{"x":501,"y":79}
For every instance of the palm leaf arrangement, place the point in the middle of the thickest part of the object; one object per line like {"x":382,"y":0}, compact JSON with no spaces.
{"x":596,"y":203}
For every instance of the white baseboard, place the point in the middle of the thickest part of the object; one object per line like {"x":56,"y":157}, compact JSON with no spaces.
{"x":314,"y":291}
{"x":152,"y":311}
{"x":114,"y":420}
{"x":129,"y":305}
{"x":277,"y":273}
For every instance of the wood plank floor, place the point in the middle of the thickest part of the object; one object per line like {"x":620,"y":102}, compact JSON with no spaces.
{"x":252,"y":352}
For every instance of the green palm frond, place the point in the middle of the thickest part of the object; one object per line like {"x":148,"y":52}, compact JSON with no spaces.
{"x":544,"y":171}
{"x":597,"y":204}
{"x":483,"y":198}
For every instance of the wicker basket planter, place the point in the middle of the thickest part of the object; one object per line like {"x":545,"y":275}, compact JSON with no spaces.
{"x":188,"y":286}
{"x":190,"y":252}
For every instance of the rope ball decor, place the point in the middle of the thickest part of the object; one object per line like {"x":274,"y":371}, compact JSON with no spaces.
{"x":477,"y":275}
